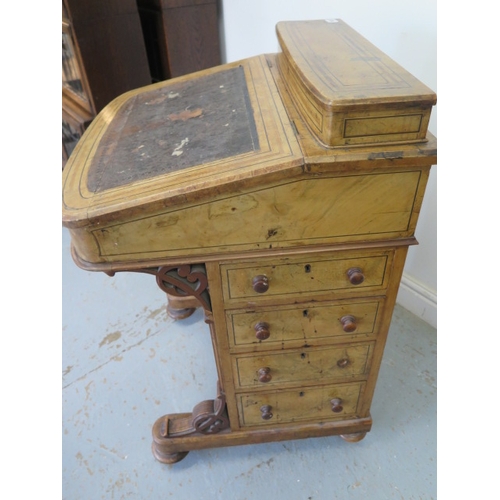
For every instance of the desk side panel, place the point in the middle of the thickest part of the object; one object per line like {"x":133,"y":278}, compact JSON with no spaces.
{"x":311,"y":210}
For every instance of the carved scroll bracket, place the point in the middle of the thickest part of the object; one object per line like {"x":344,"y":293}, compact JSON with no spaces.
{"x":184,"y":281}
{"x":207,"y":417}
{"x":180,"y":281}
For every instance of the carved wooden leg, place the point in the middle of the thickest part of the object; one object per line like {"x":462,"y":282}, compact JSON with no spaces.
{"x":181,"y":307}
{"x":354,"y":437}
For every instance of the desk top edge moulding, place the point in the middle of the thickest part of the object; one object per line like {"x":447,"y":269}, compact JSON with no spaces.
{"x":280,"y":193}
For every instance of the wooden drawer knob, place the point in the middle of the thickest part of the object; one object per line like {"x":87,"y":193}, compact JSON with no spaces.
{"x":265,"y":375}
{"x":262,"y":330}
{"x":355,"y":275}
{"x":260,"y":283}
{"x":348,"y":323}
{"x":265,"y":410}
{"x":336,"y":405}
{"x":342,"y":363}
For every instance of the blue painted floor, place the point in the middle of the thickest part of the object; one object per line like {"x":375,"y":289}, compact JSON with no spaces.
{"x":126,"y":363}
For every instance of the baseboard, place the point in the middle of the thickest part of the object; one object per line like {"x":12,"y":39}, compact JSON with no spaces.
{"x":418,"y":299}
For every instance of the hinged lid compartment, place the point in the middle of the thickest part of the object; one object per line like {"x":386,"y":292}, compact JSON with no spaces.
{"x":348,"y":91}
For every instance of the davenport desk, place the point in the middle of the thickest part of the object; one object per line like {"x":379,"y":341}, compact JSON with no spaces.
{"x":280,"y":192}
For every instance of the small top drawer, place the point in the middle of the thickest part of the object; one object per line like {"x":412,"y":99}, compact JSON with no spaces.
{"x":344,"y":273}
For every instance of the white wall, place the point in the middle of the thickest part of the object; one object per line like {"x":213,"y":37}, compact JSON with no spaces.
{"x":407,"y":32}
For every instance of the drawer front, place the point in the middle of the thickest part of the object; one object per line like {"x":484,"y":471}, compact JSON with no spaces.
{"x":311,"y":404}
{"x":304,"y":277}
{"x":270,"y":327}
{"x":301,"y":366}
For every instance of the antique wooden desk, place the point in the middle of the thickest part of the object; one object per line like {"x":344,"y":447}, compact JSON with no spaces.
{"x":281,"y":192}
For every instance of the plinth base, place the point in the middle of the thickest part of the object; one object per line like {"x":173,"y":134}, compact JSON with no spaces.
{"x":170,"y":449}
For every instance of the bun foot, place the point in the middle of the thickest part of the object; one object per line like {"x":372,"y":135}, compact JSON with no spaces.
{"x":179,"y":313}
{"x":181,"y":307}
{"x":168,"y":458}
{"x":353,"y":438}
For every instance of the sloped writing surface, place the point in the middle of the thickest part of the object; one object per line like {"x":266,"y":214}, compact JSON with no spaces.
{"x":175,"y":127}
